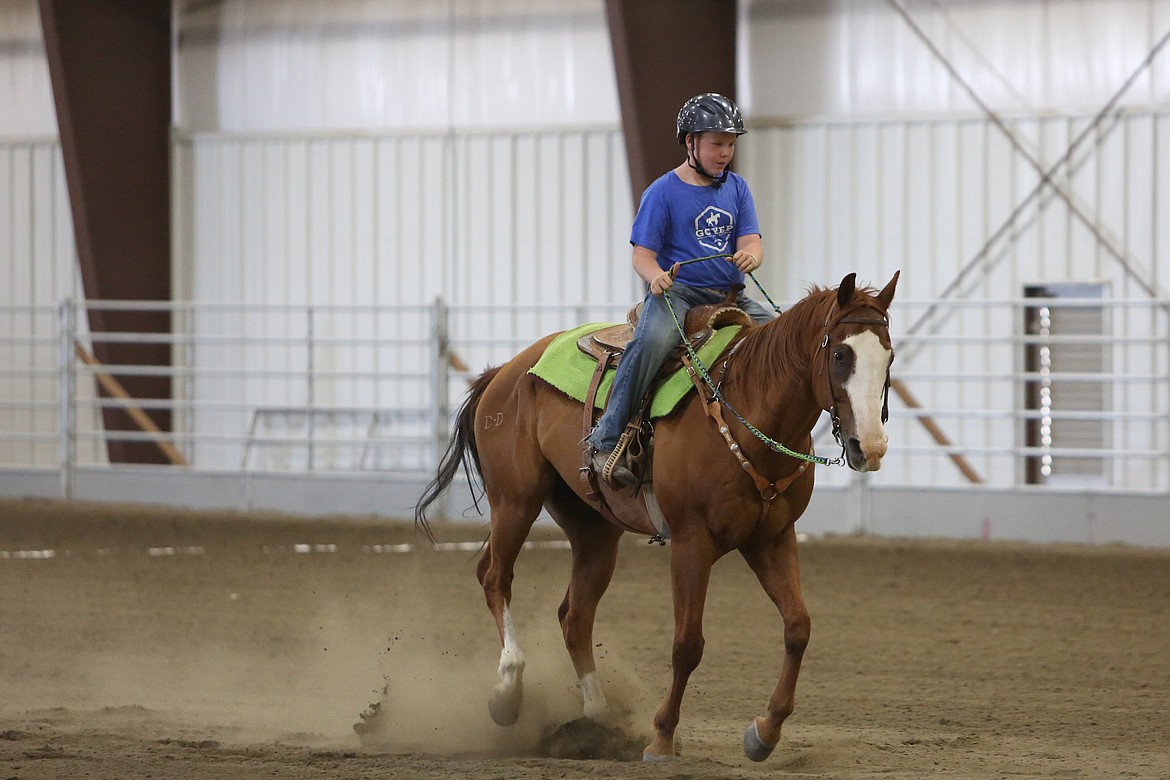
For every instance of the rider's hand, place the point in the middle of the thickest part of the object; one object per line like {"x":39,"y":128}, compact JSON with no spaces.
{"x":745,"y":261}
{"x":661,"y":283}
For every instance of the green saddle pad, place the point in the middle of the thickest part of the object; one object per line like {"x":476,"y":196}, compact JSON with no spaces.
{"x":569,"y":370}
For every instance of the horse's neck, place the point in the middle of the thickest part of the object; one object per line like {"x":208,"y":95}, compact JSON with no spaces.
{"x":770,"y":379}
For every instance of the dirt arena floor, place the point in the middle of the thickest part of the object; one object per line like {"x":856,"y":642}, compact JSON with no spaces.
{"x":141,"y":643}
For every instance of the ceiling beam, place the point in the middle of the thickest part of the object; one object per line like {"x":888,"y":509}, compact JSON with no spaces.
{"x":666,"y":51}
{"x":110,"y":66}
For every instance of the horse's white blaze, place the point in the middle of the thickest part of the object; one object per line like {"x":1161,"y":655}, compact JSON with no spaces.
{"x":865,"y":387}
{"x":511,"y":659}
{"x":595,"y":704}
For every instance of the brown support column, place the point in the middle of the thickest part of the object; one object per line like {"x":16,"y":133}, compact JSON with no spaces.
{"x":110,"y":64}
{"x":666,"y":51}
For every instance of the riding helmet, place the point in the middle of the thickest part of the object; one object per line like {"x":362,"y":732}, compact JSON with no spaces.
{"x":710,"y":112}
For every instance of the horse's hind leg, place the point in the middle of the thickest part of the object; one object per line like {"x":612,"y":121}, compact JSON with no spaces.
{"x":595,"y":548}
{"x":510,"y":525}
{"x":776,"y":565}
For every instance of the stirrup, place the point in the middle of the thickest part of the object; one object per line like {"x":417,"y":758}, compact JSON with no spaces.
{"x":611,"y":466}
{"x":611,"y":463}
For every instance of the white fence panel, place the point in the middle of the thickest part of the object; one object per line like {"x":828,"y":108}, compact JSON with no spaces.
{"x":325,"y":388}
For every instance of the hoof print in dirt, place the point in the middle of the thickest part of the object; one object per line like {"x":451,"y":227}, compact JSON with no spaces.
{"x":584,"y":740}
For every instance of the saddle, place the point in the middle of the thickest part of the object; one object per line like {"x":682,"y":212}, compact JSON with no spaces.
{"x":699,"y":324}
{"x":606,"y":346}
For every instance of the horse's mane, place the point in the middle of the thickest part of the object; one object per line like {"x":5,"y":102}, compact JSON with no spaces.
{"x":779,"y":350}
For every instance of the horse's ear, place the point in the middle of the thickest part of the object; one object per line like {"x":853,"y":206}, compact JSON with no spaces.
{"x":845,"y":291}
{"x":886,"y":296}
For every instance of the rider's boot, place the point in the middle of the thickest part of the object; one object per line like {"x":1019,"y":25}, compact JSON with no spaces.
{"x":606,"y":466}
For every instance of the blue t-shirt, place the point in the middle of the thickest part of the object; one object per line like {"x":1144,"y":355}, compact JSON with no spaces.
{"x":680,"y":221}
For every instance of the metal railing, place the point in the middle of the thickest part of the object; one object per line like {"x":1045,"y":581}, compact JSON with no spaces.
{"x":371,"y":390}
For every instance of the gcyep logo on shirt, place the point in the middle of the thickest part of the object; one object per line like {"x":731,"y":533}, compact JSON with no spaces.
{"x":713,"y":228}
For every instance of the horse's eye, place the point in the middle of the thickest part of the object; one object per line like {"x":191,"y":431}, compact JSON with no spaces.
{"x":839,"y":355}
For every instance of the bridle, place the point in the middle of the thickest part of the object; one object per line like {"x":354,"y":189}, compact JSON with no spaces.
{"x":842,"y":318}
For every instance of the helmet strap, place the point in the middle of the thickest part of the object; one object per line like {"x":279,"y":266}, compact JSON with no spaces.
{"x":696,"y":166}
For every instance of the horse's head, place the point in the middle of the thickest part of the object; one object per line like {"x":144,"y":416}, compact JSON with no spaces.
{"x":855,"y":355}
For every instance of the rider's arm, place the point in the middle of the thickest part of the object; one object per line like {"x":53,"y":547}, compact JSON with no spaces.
{"x":646,"y":266}
{"x":749,"y":253}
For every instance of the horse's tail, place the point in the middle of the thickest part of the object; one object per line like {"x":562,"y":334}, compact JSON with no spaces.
{"x":461,"y":450}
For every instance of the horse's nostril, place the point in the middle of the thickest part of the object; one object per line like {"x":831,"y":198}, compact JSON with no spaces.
{"x":853,"y":452}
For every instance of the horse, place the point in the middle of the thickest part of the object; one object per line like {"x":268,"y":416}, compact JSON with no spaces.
{"x":830,"y":352}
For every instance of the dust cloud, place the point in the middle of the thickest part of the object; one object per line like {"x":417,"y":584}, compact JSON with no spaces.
{"x":337,"y":653}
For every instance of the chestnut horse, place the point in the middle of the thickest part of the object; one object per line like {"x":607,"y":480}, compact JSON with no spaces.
{"x":830,"y":352}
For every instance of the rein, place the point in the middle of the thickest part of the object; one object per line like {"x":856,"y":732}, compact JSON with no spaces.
{"x":674,"y":272}
{"x":716,"y":393}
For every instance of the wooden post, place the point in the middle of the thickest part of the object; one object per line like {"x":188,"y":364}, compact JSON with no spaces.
{"x":936,"y":432}
{"x":114,"y":388}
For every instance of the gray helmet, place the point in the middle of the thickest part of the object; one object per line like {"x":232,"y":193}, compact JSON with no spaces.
{"x":710,"y":112}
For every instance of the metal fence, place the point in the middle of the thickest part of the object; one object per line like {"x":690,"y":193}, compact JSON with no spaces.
{"x":1038,"y":394}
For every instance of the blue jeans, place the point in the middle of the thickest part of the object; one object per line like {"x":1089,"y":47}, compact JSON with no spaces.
{"x":655,"y":338}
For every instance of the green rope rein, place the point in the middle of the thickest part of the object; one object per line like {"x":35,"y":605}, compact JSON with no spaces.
{"x":715,"y":391}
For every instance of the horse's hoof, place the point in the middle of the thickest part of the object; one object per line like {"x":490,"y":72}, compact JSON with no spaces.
{"x":505,"y":710}
{"x":659,"y":751}
{"x":754,"y":747}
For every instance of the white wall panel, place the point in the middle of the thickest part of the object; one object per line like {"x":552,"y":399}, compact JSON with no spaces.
{"x":272,"y":65}
{"x":37,"y":258}
{"x":859,"y":57}
{"x":26,"y":98}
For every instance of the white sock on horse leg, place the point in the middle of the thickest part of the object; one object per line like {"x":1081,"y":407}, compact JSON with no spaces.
{"x":593,"y":696}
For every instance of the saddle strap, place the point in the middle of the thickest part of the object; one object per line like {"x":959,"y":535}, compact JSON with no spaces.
{"x":656,"y":516}
{"x":767,"y":488}
{"x":603,"y":363}
{"x":594,"y":490}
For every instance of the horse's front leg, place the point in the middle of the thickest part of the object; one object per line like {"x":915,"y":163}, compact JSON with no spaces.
{"x":690,"y":573}
{"x":776,"y":564}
